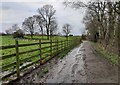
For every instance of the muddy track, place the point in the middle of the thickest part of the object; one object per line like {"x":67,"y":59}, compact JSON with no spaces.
{"x":99,"y":69}
{"x":69,"y":70}
{"x":81,"y":65}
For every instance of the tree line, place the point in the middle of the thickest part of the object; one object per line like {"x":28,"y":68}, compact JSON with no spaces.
{"x":43,"y":23}
{"x":102,"y":22}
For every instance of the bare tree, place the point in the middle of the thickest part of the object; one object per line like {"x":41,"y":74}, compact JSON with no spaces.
{"x":53,"y":28}
{"x":15,"y":27}
{"x":8,"y":31}
{"x":40,"y":22}
{"x":66,"y":29}
{"x":12,"y":29}
{"x":28,"y":25}
{"x":47,"y":12}
{"x":106,"y":15}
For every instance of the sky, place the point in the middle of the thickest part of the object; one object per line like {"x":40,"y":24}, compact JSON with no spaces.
{"x":15,"y":11}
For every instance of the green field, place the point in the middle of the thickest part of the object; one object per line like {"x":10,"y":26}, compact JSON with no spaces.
{"x":8,"y":40}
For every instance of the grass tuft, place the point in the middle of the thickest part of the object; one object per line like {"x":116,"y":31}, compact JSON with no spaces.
{"x":45,"y":70}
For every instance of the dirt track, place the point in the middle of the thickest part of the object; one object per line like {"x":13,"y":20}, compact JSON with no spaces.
{"x":81,"y":65}
{"x":99,"y":70}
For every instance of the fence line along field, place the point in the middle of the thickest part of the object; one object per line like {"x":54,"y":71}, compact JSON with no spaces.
{"x":20,"y":54}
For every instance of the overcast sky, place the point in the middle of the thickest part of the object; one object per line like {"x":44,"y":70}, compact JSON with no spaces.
{"x":15,"y":11}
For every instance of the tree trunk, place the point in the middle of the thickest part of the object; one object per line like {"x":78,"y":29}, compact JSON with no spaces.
{"x":41,"y":30}
{"x":119,"y":35}
{"x":31,"y":35}
{"x":47,"y":34}
{"x":119,"y":48}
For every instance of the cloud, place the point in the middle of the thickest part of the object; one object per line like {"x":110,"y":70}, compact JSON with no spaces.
{"x":0,"y":11}
{"x":71,"y":16}
{"x":16,"y":12}
{"x":12,"y":11}
{"x":31,"y":1}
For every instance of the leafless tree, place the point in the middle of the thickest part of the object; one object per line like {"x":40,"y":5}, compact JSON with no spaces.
{"x":8,"y":31}
{"x":53,"y":27}
{"x":12,"y":29}
{"x":47,"y":12}
{"x":39,"y":22}
{"x":66,"y":29}
{"x":15,"y":27}
{"x":28,"y":25}
{"x":102,"y":17}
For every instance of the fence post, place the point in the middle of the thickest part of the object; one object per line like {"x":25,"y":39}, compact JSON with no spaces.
{"x":61,"y":45}
{"x":70,"y":44}
{"x":73,"y":43}
{"x":40,"y":51}
{"x":57,"y":46}
{"x":17,"y":59}
{"x":51,"y":48}
{"x":64,"y":44}
{"x":67,"y":43}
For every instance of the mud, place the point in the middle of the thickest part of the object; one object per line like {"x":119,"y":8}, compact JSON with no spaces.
{"x":81,"y":65}
{"x":99,"y":69}
{"x":69,"y":70}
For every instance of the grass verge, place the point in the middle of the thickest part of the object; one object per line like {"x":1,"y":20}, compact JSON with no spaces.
{"x":103,"y":52}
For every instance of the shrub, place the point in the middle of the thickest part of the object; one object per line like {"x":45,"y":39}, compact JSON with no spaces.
{"x":18,"y":34}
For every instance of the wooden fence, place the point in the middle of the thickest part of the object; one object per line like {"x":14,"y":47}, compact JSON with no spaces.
{"x":55,"y":47}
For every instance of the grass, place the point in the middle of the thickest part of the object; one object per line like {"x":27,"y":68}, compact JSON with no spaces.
{"x":103,"y":52}
{"x":45,"y":70}
{"x":53,"y":37}
{"x":8,"y":40}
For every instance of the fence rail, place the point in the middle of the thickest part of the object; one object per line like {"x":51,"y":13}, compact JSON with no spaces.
{"x":52,"y":48}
